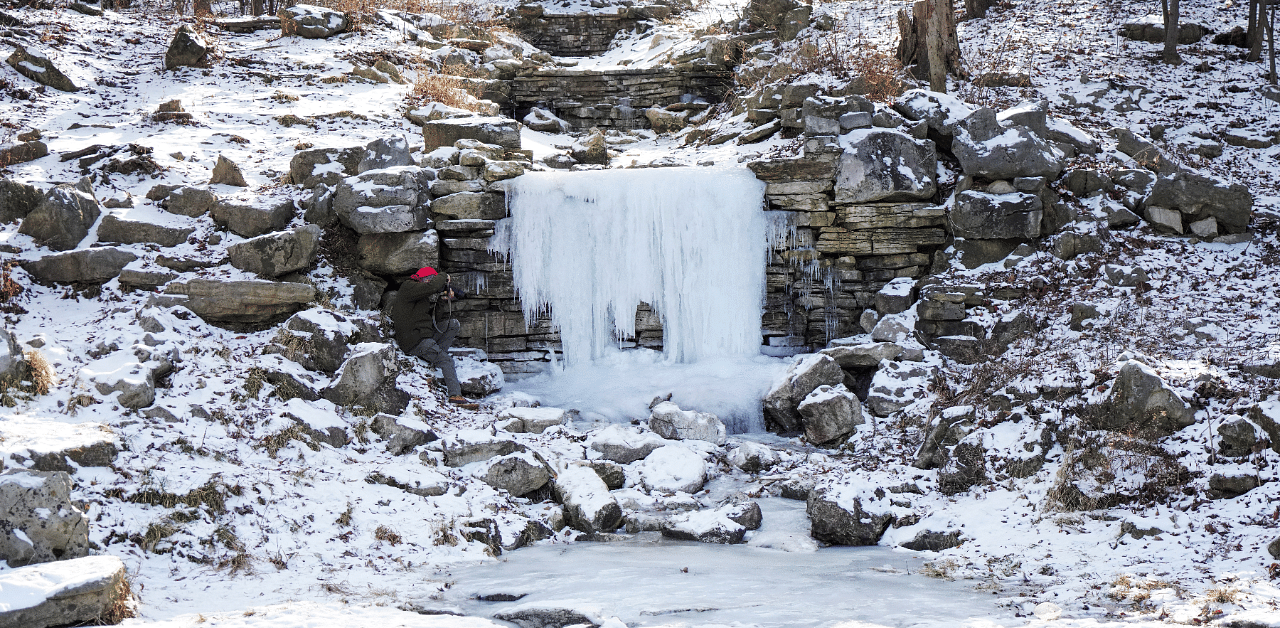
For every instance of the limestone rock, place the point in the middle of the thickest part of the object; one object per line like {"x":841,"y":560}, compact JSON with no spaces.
{"x":382,"y":201}
{"x":1200,"y":196}
{"x":625,"y":445}
{"x":466,"y":447}
{"x":725,"y":525}
{"x":753,"y":457}
{"x":668,"y":421}
{"x":895,"y":386}
{"x":276,"y":254}
{"x":41,"y":524}
{"x":187,"y":48}
{"x":542,"y":120}
{"x":941,"y":112}
{"x":33,"y":64}
{"x":1231,"y":486}
{"x":862,"y":355}
{"x":135,"y":380}
{"x":470,"y":206}
{"x":190,"y":201}
{"x":13,"y":364}
{"x":984,"y":216}
{"x":545,"y":618}
{"x":367,"y":378}
{"x":841,"y":520}
{"x":22,"y":152}
{"x":896,"y":296}
{"x":312,"y":22}
{"x":800,"y":379}
{"x":398,"y":253}
{"x":75,"y":592}
{"x":673,"y":469}
{"x":930,"y":541}
{"x":318,"y":339}
{"x":830,"y":415}
{"x":227,"y":172}
{"x":113,"y":229}
{"x":885,"y":165}
{"x":1141,"y":400}
{"x":309,"y":168}
{"x":478,"y":378}
{"x":17,"y":200}
{"x":96,"y":265}
{"x":62,"y":219}
{"x":385,"y":153}
{"x":490,"y":130}
{"x":243,"y":301}
{"x":1237,"y":438}
{"x":517,"y":473}
{"x":401,"y":439}
{"x":533,"y":420}
{"x":985,"y":149}
{"x":587,"y":503}
{"x":591,"y":150}
{"x":249,"y":221}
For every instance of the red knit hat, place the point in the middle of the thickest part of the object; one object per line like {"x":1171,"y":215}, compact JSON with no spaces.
{"x":423,"y":273}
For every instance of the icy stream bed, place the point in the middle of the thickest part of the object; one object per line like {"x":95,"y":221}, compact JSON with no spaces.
{"x":779,"y":578}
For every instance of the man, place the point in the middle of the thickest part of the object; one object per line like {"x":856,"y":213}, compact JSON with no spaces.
{"x":417,"y":329}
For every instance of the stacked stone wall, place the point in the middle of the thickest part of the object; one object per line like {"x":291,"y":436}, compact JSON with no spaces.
{"x":618,"y":98}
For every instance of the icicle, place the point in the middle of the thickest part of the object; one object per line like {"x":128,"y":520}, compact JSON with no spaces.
{"x":591,"y":246}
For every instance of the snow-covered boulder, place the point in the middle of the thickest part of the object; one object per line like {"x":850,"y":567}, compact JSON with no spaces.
{"x":32,"y":63}
{"x":942,"y":112}
{"x":385,"y":153}
{"x":673,"y":469}
{"x":316,"y":338}
{"x":401,"y":434}
{"x":669,"y":421}
{"x":587,"y":503}
{"x":1140,"y":400}
{"x":896,"y":296}
{"x":312,"y":22}
{"x":542,"y":120}
{"x":846,"y":512}
{"x":986,"y":149}
{"x":275,"y":254}
{"x":532,"y":420}
{"x":123,"y":373}
{"x":830,"y":414}
{"x":40,"y":522}
{"x":187,"y":48}
{"x":96,"y":265}
{"x":625,"y":445}
{"x":59,"y":446}
{"x":753,"y":457}
{"x":897,"y":385}
{"x":72,"y":592}
{"x":398,"y":253}
{"x":862,"y":354}
{"x":985,"y":216}
{"x":382,"y":201}
{"x":63,"y":218}
{"x":368,"y":378}
{"x":885,"y":165}
{"x":467,"y":446}
{"x":479,"y":378}
{"x":725,"y":525}
{"x":517,"y":473}
{"x":801,"y":378}
{"x":488,"y":129}
{"x":1199,"y":197}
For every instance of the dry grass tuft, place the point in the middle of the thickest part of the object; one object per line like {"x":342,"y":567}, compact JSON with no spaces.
{"x":385,"y":533}
{"x":446,"y":89}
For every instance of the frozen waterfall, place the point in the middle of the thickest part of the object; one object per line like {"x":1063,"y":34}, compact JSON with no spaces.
{"x":592,"y":246}
{"x":589,"y":247}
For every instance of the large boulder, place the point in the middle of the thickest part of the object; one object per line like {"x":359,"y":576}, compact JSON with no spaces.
{"x":862,"y":354}
{"x":382,"y":201}
{"x":22,"y":152}
{"x":17,"y":200}
{"x":276,"y":254}
{"x":190,"y":201}
{"x":591,"y":149}
{"x":942,"y":112}
{"x":329,"y":166}
{"x":398,"y":253}
{"x":673,"y":469}
{"x":227,"y":172}
{"x":518,"y":473}
{"x":668,"y":421}
{"x":830,"y":414}
{"x":478,"y":378}
{"x":490,"y":130}
{"x":801,"y":378}
{"x":467,"y":446}
{"x":986,"y":149}
{"x":251,"y":302}
{"x":984,"y":216}
{"x":1199,"y":197}
{"x":897,"y":385}
{"x":251,"y":221}
{"x":533,"y":420}
{"x":77,"y":592}
{"x":885,"y":165}
{"x":113,"y":229}
{"x":312,"y":22}
{"x":40,"y":523}
{"x":33,"y":64}
{"x":625,"y":445}
{"x":135,"y":380}
{"x":471,"y":206}
{"x":317,"y":339}
{"x":836,"y":516}
{"x":385,"y":153}
{"x":95,"y":265}
{"x":186,"y":48}
{"x":63,"y":219}
{"x":401,"y":439}
{"x":367,"y":378}
{"x":1141,"y":401}
{"x":588,"y":506}
{"x":727,"y":524}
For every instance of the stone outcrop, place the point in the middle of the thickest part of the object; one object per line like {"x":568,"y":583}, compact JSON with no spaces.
{"x":276,"y":254}
{"x":491,"y":130}
{"x":841,"y":520}
{"x":1141,"y":401}
{"x":668,"y":421}
{"x":251,"y":221}
{"x":830,"y":414}
{"x":367,"y":378}
{"x":312,"y":22}
{"x":113,"y":229}
{"x":801,"y":378}
{"x":35,"y":65}
{"x":187,"y":48}
{"x":76,"y":592}
{"x":86,"y":266}
{"x":251,"y":302}
{"x":41,"y":524}
{"x":588,"y":506}
{"x":17,"y":200}
{"x":63,"y":218}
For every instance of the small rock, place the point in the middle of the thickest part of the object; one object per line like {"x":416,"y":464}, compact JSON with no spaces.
{"x":668,"y":421}
{"x":187,"y":48}
{"x":226,"y":172}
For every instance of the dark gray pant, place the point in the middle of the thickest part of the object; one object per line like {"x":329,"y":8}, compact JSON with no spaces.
{"x":435,"y":351}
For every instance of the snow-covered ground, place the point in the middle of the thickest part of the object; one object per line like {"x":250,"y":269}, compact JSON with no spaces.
{"x":268,"y":531}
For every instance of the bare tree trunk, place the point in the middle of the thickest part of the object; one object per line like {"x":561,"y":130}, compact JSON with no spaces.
{"x":933,"y":45}
{"x":257,"y":7}
{"x":907,"y":39}
{"x":974,"y":9}
{"x":1269,"y":18}
{"x":1171,"y":34}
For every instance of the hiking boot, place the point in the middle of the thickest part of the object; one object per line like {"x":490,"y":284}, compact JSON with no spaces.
{"x":464,"y":403}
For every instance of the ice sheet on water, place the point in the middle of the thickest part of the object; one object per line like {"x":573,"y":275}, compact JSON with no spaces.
{"x":592,"y":246}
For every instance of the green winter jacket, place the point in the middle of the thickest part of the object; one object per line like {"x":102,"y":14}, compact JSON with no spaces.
{"x":413,"y":312}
